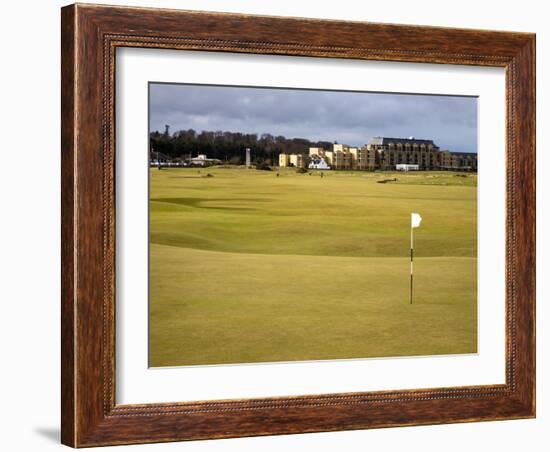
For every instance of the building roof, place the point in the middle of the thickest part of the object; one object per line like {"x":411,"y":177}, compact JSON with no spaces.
{"x":387,"y":140}
{"x":466,"y":154}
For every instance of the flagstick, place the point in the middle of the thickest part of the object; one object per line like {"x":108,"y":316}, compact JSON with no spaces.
{"x":411,"y":291}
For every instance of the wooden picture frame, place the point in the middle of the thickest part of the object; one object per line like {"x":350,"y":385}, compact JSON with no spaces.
{"x":90,"y":36}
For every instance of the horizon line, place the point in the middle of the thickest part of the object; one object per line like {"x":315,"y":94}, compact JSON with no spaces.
{"x":309,"y":139}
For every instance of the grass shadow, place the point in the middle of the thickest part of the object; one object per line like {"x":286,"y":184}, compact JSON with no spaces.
{"x":199,"y":203}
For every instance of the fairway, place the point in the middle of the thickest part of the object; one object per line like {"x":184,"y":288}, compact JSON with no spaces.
{"x":249,"y":267}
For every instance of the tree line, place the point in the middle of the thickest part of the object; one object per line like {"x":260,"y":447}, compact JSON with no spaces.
{"x":229,"y":147}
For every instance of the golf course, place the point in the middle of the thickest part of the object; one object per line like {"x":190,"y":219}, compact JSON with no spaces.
{"x":248,"y":266}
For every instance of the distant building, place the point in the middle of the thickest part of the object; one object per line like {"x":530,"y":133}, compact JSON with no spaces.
{"x":298,"y":160}
{"x":391,"y":152}
{"x":319,"y":163}
{"x":406,"y":167}
{"x":395,"y":151}
{"x":284,"y":160}
{"x":454,"y":161}
{"x":202,"y":160}
{"x":160,"y":160}
{"x":295,"y":160}
{"x":316,"y":151}
{"x":362,"y":158}
{"x":342,"y":156}
{"x":403,"y":154}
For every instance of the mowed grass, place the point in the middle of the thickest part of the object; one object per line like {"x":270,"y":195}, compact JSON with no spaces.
{"x":249,"y":267}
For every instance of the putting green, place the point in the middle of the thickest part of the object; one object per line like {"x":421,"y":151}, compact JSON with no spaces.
{"x":249,"y":267}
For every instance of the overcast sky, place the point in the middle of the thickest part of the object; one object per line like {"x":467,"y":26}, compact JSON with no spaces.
{"x":346,"y":117}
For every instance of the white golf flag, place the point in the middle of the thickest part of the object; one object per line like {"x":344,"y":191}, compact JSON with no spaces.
{"x":415,"y":220}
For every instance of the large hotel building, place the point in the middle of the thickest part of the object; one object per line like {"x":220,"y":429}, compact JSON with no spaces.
{"x":383,"y":153}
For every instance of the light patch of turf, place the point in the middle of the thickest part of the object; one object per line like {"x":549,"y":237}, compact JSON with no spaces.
{"x":211,"y":307}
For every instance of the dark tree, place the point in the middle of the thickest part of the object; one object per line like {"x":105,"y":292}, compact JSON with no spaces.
{"x":229,"y":146}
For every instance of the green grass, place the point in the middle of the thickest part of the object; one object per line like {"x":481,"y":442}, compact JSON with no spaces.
{"x":250,"y":267}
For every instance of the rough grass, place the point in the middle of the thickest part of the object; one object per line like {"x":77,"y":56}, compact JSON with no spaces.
{"x":250,"y":267}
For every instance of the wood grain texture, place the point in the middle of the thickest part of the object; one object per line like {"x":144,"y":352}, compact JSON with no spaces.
{"x":90,"y":36}
{"x":68,"y":244}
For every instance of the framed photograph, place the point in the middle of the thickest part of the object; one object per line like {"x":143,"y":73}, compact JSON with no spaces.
{"x":281,"y":225}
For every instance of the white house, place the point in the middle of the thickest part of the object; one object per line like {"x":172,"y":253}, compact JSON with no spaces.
{"x":318,"y":163}
{"x":203,"y":160}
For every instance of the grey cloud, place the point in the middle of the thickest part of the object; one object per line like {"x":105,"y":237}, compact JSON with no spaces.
{"x":346,"y":117}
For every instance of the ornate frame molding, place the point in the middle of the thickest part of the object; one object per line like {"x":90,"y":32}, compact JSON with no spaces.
{"x":90,"y":37}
